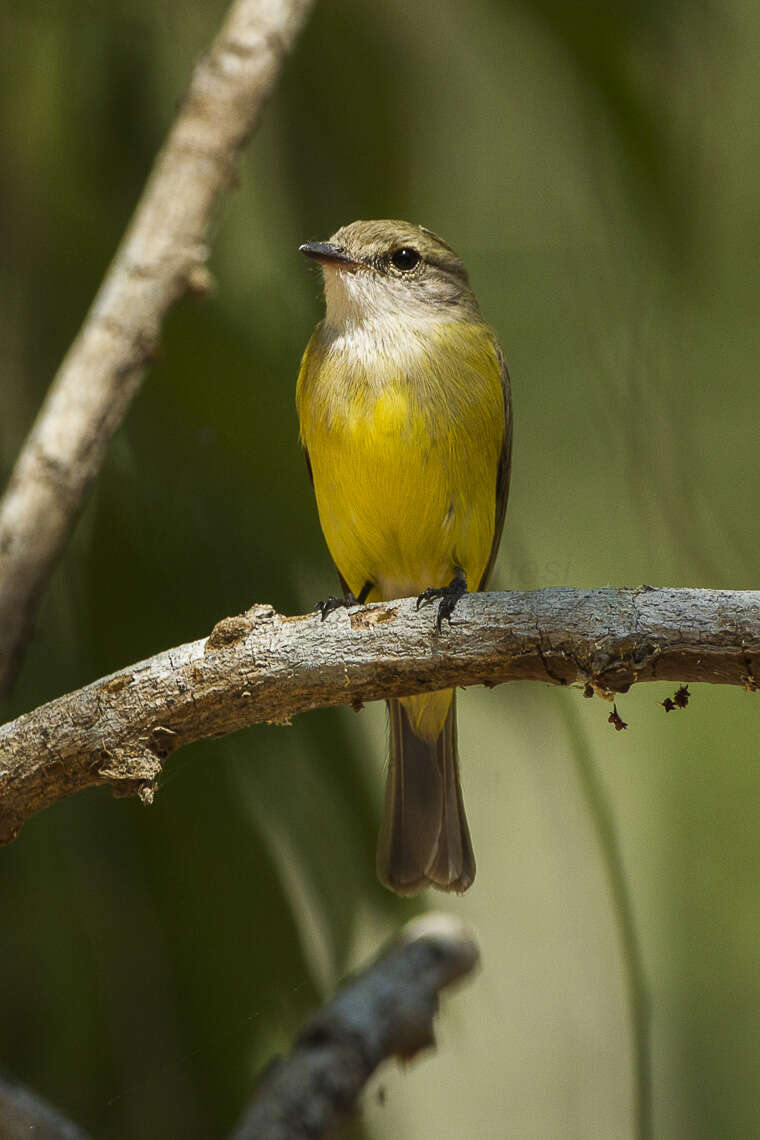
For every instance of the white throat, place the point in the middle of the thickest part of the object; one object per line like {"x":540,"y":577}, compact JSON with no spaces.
{"x":353,"y":297}
{"x":368,"y":314}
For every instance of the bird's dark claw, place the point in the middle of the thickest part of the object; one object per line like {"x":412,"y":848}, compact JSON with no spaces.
{"x":332,"y":603}
{"x":449,"y":596}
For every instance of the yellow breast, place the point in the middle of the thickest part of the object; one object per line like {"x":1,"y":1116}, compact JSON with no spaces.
{"x":404,"y":450}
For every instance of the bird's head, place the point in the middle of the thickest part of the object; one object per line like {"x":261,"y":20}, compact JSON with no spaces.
{"x":390,"y":269}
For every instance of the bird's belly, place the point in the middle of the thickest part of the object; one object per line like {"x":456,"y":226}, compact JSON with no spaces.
{"x":401,"y":506}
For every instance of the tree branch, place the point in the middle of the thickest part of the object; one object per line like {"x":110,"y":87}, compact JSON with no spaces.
{"x":387,"y":1010}
{"x":162,"y":254}
{"x":261,"y":666}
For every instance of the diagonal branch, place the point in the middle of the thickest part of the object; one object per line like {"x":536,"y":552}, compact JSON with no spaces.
{"x":262,"y":666}
{"x":161,"y":256}
{"x":385,"y":1011}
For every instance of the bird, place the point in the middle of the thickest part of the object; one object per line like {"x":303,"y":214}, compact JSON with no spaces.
{"x":405,"y":413}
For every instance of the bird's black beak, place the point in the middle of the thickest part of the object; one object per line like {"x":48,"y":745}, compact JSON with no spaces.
{"x":327,"y":254}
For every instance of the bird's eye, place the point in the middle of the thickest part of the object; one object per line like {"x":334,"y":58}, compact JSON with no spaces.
{"x":405,"y":258}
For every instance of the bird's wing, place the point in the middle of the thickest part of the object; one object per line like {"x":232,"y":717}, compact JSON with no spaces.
{"x":504,"y":468}
{"x":308,"y":465}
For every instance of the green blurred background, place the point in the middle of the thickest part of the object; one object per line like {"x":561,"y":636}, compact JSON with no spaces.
{"x":598,"y":168}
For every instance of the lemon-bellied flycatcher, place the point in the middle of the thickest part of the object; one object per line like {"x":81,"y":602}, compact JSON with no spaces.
{"x":405,"y":410}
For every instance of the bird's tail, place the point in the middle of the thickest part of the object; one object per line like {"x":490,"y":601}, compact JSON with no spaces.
{"x":424,"y":839}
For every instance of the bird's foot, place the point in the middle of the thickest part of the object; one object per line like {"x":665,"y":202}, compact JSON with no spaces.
{"x":449,"y":596}
{"x":329,"y":604}
{"x":349,"y":599}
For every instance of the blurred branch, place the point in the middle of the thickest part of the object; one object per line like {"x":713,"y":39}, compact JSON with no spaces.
{"x":386,"y":1010}
{"x":24,"y":1113}
{"x":162,"y":255}
{"x":261,"y":666}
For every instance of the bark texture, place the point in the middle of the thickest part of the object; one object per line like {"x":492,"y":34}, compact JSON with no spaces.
{"x":261,"y":666}
{"x":386,"y":1010}
{"x":163,"y":254}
